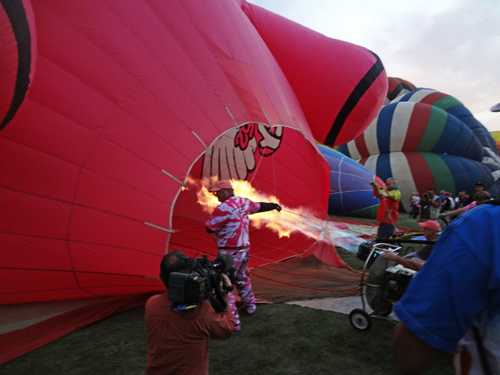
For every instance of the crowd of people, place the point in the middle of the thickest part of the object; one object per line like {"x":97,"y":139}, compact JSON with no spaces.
{"x":453,"y":304}
{"x":444,"y":206}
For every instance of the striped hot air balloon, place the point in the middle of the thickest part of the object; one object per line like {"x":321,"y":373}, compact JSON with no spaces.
{"x":428,"y":139}
{"x":496,"y":137}
{"x":351,"y":193}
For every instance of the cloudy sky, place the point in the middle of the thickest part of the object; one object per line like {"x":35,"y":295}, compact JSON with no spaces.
{"x":452,"y":46}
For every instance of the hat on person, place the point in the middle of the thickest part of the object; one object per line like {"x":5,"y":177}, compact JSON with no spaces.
{"x":431,"y":224}
{"x":222,"y":184}
{"x":447,"y":193}
{"x":479,"y":183}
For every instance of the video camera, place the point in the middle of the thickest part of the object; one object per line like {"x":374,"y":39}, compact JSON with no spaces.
{"x":200,"y":281}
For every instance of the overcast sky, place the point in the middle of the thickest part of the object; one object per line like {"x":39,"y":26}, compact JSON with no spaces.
{"x":452,"y":46}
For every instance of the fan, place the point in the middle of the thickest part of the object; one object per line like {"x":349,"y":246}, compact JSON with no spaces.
{"x":376,"y":286}
{"x":384,"y":286}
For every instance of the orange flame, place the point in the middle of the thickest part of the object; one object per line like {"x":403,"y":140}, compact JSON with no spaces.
{"x":206,"y":199}
{"x":283,"y":223}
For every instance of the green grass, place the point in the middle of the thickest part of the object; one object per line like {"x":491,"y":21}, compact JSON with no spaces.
{"x":280,"y":339}
{"x":285,"y":339}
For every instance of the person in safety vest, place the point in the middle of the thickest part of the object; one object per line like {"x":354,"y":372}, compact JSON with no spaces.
{"x":388,"y":210}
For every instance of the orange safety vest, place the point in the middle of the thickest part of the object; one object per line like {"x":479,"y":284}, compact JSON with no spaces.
{"x":388,"y":210}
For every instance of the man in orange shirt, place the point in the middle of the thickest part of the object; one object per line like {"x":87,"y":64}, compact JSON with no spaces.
{"x":178,"y":340}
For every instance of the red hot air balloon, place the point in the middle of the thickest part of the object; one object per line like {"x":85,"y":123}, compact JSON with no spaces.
{"x":17,"y":29}
{"x":340,"y":98}
{"x":129,"y":100}
{"x":398,"y":87}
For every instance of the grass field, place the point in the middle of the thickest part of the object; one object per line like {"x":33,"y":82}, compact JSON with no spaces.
{"x":280,"y":339}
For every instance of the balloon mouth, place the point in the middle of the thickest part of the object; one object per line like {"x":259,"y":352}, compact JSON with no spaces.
{"x":285,"y":223}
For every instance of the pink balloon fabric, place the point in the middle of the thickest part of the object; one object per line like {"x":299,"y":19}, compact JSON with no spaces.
{"x":18,"y":57}
{"x":340,"y":86}
{"x":127,"y":101}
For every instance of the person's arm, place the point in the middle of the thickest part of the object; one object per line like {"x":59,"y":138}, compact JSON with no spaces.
{"x":395,"y":195}
{"x":265,"y":206}
{"x":377,"y":192}
{"x":407,"y":263}
{"x":457,"y":212}
{"x":220,"y":325}
{"x":436,"y":203}
{"x":226,"y":286}
{"x":423,"y":201}
{"x":447,"y":205}
{"x":412,"y":355}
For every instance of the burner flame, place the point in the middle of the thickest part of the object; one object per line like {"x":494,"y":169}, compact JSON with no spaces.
{"x":284,"y":223}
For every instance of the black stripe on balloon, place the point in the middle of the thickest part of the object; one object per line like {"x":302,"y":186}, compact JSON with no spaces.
{"x":353,"y":99}
{"x":394,"y":93}
{"x":17,"y":17}
{"x":397,"y":90}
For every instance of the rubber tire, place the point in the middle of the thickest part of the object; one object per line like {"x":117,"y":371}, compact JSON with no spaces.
{"x":385,"y":312}
{"x":360,"y":319}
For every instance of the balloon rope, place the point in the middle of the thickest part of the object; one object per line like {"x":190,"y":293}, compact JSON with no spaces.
{"x":305,"y":287}
{"x":307,"y":217}
{"x":301,"y":274}
{"x":256,"y":169}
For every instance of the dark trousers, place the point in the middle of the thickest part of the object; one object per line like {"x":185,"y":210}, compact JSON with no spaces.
{"x":414,"y":211}
{"x":385,"y":230}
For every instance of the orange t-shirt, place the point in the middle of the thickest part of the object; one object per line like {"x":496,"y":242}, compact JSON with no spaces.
{"x":178,"y":341}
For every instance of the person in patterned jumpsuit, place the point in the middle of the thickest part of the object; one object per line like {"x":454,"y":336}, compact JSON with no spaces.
{"x":229,"y":225}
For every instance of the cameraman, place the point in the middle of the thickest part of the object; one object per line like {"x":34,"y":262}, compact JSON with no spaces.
{"x":454,"y":301}
{"x":178,"y":340}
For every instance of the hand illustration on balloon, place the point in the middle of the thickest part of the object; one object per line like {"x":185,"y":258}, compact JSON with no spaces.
{"x":227,"y":160}
{"x":232,"y":156}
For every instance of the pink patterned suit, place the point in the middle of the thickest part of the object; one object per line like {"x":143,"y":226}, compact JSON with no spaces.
{"x":230,"y":225}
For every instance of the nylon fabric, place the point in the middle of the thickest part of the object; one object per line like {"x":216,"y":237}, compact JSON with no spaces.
{"x":350,"y":98}
{"x":445,"y":135}
{"x":125,"y":102}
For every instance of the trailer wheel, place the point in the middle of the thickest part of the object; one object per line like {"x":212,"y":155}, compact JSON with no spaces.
{"x":360,"y":319}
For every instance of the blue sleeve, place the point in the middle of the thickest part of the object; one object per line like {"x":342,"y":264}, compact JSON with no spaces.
{"x":454,"y":286}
